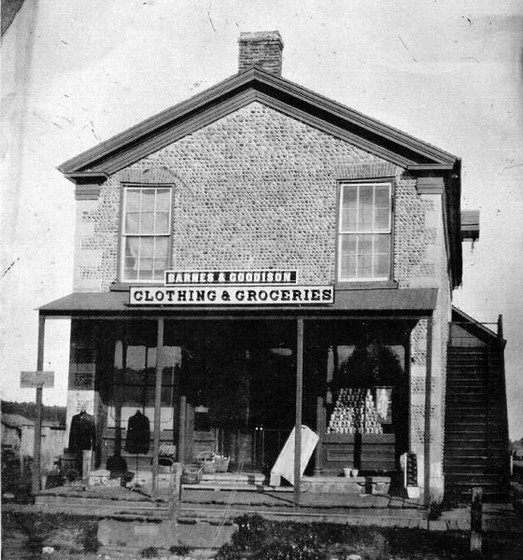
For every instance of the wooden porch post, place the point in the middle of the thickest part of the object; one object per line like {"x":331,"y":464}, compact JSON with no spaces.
{"x":38,"y":420}
{"x":157,"y":407}
{"x":320,"y":426}
{"x":182,"y":429}
{"x":297,"y":425}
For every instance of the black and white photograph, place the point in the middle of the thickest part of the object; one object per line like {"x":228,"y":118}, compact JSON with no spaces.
{"x":261,"y":279}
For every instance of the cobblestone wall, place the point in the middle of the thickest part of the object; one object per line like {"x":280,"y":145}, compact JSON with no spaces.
{"x":256,"y":189}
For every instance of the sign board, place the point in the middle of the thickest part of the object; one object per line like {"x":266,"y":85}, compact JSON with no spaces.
{"x":239,"y":296}
{"x":231,"y":277}
{"x":284,"y":465}
{"x":35,"y":379}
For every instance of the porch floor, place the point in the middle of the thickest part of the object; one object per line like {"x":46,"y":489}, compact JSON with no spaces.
{"x":222,"y":497}
{"x":220,"y":508}
{"x":219,"y":498}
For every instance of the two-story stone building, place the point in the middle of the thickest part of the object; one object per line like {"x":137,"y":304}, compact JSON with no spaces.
{"x":260,"y":257}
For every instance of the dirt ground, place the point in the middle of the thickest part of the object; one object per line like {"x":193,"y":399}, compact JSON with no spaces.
{"x":72,"y":537}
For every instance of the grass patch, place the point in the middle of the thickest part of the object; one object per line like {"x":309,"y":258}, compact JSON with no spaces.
{"x":261,"y":539}
{"x":64,"y":532}
{"x":150,"y":552}
{"x":74,"y":538}
{"x":180,"y":549}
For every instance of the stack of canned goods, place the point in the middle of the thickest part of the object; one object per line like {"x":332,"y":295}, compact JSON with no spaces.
{"x":354,"y":413}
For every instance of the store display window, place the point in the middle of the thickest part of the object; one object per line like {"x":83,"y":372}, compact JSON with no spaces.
{"x":366,"y":386}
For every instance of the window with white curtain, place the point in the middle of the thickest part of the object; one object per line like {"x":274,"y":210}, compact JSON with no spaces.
{"x":146,"y":233}
{"x":364,"y":232}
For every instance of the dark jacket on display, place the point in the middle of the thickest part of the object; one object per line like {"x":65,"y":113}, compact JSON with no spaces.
{"x":83,"y":432}
{"x":138,"y":434}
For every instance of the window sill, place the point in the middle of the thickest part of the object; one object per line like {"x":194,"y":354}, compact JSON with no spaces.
{"x":378,"y":285}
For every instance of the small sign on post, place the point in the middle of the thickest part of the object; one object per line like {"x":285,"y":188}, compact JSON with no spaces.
{"x":36,"y":379}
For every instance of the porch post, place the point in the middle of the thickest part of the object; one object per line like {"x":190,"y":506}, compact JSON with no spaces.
{"x":182,"y":429}
{"x":320,"y":426}
{"x":38,"y":421}
{"x":157,"y":407}
{"x":297,"y":425}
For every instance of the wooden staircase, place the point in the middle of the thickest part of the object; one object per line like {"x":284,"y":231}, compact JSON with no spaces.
{"x":476,"y":427}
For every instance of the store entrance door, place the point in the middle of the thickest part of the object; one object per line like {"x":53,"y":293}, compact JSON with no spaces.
{"x":238,"y":381}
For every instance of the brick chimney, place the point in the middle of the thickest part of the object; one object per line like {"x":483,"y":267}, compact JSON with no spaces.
{"x":262,"y":49}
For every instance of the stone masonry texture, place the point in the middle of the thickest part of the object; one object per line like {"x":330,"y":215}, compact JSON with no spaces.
{"x":257,"y":189}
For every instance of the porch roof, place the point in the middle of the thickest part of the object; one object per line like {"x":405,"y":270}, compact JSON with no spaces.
{"x":419,"y":300}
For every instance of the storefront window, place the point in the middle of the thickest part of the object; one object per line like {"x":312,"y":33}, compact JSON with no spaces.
{"x":366,"y":383}
{"x":134,"y":376}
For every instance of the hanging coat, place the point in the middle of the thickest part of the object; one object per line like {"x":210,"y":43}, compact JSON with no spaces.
{"x":83,"y":432}
{"x":138,"y":434}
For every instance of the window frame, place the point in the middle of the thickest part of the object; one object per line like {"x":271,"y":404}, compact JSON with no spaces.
{"x":126,"y":187}
{"x":354,"y":282}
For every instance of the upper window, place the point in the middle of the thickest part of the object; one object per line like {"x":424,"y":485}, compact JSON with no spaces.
{"x":364,"y":232}
{"x":146,"y":232}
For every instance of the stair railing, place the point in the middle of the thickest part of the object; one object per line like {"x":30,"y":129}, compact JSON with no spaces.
{"x":485,"y":327}
{"x":503,"y":397}
{"x":491,"y":401}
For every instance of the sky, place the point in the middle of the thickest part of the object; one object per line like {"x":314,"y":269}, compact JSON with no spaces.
{"x":75,"y":73}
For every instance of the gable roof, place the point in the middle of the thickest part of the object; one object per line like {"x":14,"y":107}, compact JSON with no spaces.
{"x":8,"y":12}
{"x":276,"y":92}
{"x":96,"y":164}
{"x":15,"y":420}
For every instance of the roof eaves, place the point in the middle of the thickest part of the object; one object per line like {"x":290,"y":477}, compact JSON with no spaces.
{"x":80,"y":177}
{"x":420,"y":167}
{"x":234,"y":83}
{"x":159,"y":120}
{"x":454,"y":224}
{"x":358,"y":118}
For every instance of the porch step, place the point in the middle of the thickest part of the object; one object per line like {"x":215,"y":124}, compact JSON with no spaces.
{"x":467,"y":398}
{"x":231,"y":478}
{"x":467,"y":361}
{"x":458,"y":452}
{"x":469,"y":424}
{"x":466,"y":394}
{"x":236,"y":482}
{"x":478,"y":468}
{"x":458,"y":461}
{"x":465,"y":389}
{"x":468,"y":411}
{"x":458,"y":441}
{"x":91,"y":502}
{"x":468,"y":382}
{"x":475,"y":430}
{"x":496,"y":490}
{"x":489,"y":496}
{"x":106,"y":508}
